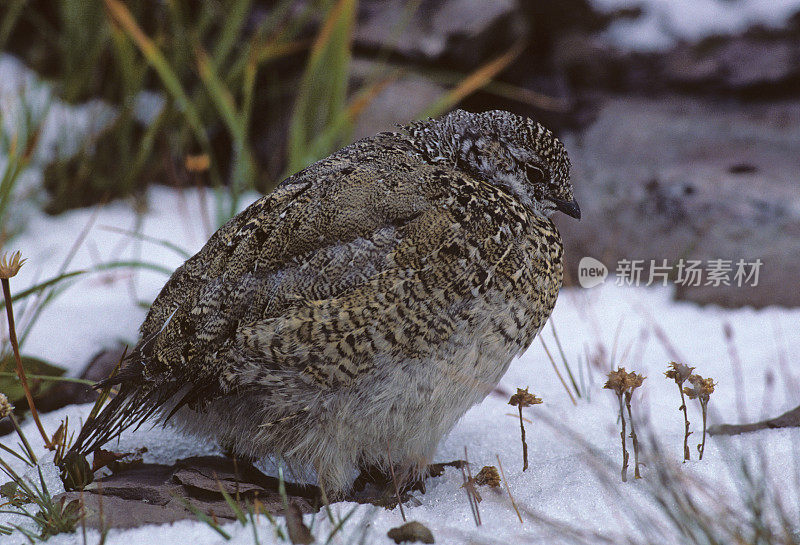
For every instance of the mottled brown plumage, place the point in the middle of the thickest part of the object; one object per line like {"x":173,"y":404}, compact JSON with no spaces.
{"x":369,"y":300}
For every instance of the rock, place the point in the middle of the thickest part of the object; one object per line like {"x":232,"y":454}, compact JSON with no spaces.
{"x":69,"y":393}
{"x":204,"y":476}
{"x":61,"y":394}
{"x":753,"y":64}
{"x":586,"y":60}
{"x":411,"y":532}
{"x":156,"y":494}
{"x":398,"y":101}
{"x":104,"y":511}
{"x":148,"y":483}
{"x":464,"y":32}
{"x":679,"y":178}
{"x":377,"y":488}
{"x":756,"y":64}
{"x":789,"y":419}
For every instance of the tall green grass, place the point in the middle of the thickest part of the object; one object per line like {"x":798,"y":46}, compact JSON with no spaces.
{"x":221,"y":71}
{"x":254,"y":94}
{"x":322,"y":94}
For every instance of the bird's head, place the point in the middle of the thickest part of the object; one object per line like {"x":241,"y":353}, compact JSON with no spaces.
{"x":509,"y":150}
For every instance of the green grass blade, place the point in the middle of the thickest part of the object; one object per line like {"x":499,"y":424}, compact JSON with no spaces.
{"x":20,"y":150}
{"x":80,"y":49}
{"x":243,"y":175}
{"x":564,"y":360}
{"x":474,"y":81}
{"x":132,"y":264}
{"x":44,"y":492}
{"x":39,"y":306}
{"x":13,"y":452}
{"x":235,"y":18}
{"x":50,"y":378}
{"x":339,"y":525}
{"x":164,"y":243}
{"x":131,"y":69}
{"x":36,"y":288}
{"x":282,"y":489}
{"x":265,"y":39}
{"x":220,"y":96}
{"x":237,"y":510}
{"x":255,"y":527}
{"x":32,"y":538}
{"x":203,"y":517}
{"x":339,"y":128}
{"x":323,"y":88}
{"x":11,"y":14}
{"x":123,"y":17}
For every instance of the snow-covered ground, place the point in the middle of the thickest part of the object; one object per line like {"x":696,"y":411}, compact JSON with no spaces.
{"x":665,"y":22}
{"x":102,"y":308}
{"x":561,"y":483}
{"x":566,"y":482}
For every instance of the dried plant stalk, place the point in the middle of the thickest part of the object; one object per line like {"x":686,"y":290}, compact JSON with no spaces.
{"x":680,"y":372}
{"x":701,"y":390}
{"x":625,"y":454}
{"x":634,"y":438}
{"x":9,"y":268}
{"x":524,"y":444}
{"x":523,"y":399}
{"x":469,"y":486}
{"x":7,"y":410}
{"x":508,"y":489}
{"x":687,"y":433}
{"x":702,"y":446}
{"x":623,"y":383}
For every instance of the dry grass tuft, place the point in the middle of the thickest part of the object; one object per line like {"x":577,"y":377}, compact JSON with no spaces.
{"x":623,"y":384}
{"x":523,"y":399}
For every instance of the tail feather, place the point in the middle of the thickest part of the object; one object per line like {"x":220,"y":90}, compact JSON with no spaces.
{"x":140,"y":397}
{"x":120,"y":413}
{"x":133,"y":405}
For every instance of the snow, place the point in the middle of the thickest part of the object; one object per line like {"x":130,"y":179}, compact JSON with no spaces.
{"x":64,"y":126}
{"x":574,"y":450}
{"x":566,"y":443}
{"x":105,"y":311}
{"x":664,"y":22}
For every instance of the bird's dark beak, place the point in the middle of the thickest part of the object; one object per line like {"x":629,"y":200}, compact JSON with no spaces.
{"x":570,"y":208}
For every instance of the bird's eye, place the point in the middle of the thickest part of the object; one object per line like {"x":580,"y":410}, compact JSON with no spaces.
{"x":535,"y":174}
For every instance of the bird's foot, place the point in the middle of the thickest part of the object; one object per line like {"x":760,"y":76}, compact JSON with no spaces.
{"x":377,"y":486}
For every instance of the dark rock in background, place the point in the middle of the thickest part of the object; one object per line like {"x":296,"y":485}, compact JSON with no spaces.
{"x":67,"y":393}
{"x":756,"y":65}
{"x":692,"y":153}
{"x":683,"y":178}
{"x":457,"y":32}
{"x":789,"y":419}
{"x":399,"y":101}
{"x":72,"y":393}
